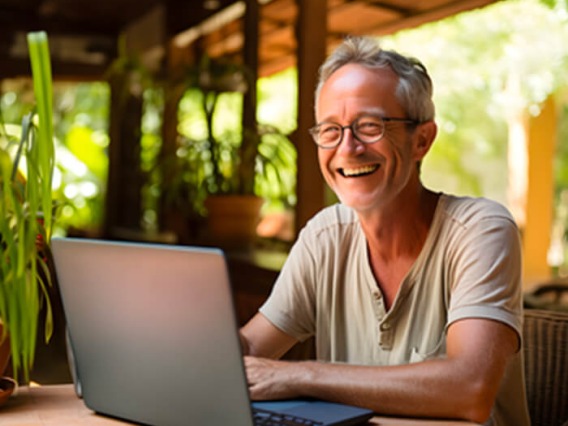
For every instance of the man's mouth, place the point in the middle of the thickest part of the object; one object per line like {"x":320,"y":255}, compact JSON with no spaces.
{"x":358,"y":171}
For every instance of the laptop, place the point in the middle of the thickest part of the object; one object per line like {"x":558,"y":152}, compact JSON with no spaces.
{"x":154,"y":340}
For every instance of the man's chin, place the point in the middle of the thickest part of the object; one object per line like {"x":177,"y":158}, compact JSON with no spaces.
{"x":359,"y":204}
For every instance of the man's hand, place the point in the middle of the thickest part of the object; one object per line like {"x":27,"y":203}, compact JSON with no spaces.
{"x":271,"y":379}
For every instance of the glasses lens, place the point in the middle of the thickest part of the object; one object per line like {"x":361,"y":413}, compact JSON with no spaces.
{"x":327,"y":134}
{"x":369,"y":129}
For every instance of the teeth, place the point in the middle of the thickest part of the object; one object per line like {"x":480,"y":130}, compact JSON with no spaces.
{"x":360,"y":170}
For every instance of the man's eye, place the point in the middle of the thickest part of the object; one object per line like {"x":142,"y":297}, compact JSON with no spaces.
{"x":369,"y":126}
{"x":328,"y":130}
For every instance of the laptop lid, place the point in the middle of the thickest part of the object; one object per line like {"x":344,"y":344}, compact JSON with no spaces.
{"x":153,"y":332}
{"x":154,"y":336}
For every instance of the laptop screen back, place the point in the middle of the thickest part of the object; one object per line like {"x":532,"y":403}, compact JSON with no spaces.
{"x":148,"y":325}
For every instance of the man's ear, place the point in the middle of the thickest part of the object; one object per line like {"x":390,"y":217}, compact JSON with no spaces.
{"x":424,"y":137}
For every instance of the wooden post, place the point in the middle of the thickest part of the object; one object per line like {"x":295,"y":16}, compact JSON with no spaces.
{"x":123,"y":209}
{"x":250,"y":57}
{"x":542,"y":137}
{"x":125,"y":179}
{"x":311,"y":33}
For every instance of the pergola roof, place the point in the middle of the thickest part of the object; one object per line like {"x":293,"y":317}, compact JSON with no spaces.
{"x":84,"y":33}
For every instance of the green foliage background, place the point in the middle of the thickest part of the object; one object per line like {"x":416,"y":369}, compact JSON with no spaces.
{"x":473,"y":59}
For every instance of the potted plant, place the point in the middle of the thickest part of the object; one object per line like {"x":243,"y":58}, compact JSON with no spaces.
{"x":26,"y":169}
{"x":228,"y":172}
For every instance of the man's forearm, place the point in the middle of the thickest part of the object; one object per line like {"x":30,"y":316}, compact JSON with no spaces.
{"x":430,"y":389}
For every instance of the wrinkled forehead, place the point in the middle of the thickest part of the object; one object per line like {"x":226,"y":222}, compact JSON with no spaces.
{"x":354,"y":88}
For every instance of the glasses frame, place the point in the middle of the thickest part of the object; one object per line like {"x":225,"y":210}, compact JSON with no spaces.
{"x":314,"y":130}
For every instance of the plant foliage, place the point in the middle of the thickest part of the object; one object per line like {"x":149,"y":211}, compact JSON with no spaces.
{"x":26,"y":172}
{"x":216,"y":155}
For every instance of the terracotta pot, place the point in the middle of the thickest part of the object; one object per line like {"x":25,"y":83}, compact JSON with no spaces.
{"x":232,"y":220}
{"x":4,"y":352}
{"x":7,"y":385}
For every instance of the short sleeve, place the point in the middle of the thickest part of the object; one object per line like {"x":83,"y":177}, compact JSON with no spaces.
{"x":291,"y":304}
{"x":485,"y":270}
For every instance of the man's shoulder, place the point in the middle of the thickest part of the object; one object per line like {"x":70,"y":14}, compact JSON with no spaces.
{"x":335,"y":221}
{"x":472,"y":209}
{"x":334,"y":215}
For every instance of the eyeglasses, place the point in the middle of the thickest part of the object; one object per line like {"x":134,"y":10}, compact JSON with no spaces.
{"x":366,"y":129}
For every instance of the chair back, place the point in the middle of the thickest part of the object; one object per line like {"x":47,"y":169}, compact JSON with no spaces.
{"x":546,"y":366}
{"x":550,"y":295}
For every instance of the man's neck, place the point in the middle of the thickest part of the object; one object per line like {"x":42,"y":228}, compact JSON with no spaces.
{"x":400,"y":228}
{"x":395,"y":237}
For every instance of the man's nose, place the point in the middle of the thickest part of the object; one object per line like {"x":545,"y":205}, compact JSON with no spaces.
{"x":349,"y":143}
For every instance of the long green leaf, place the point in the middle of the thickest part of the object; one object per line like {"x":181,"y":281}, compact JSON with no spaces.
{"x":41,"y":71}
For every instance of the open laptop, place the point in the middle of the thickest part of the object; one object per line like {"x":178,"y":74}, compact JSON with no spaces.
{"x":154,"y":338}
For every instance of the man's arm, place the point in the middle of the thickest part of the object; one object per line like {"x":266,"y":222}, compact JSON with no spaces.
{"x":260,"y":338}
{"x":463,"y":384}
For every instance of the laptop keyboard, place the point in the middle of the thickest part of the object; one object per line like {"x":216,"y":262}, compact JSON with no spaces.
{"x":268,"y":418}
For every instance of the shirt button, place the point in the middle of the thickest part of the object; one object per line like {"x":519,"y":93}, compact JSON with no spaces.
{"x":385,"y":326}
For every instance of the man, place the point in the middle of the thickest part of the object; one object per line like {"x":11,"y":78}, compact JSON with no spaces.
{"x":413,"y":296}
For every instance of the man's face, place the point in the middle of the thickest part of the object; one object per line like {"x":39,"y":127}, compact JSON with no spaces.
{"x":364,"y":176}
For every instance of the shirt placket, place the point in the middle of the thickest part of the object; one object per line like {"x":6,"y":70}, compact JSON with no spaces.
{"x":385,"y":336}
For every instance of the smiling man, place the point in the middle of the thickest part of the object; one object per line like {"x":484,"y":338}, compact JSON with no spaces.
{"x":413,"y":296}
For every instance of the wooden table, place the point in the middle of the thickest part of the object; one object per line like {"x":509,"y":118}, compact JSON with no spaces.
{"x":57,"y":405}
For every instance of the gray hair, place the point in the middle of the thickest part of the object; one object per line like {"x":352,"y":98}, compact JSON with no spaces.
{"x":414,"y":90}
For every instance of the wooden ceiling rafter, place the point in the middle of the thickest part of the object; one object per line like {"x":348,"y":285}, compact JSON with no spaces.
{"x":400,"y":10}
{"x":25,"y":22}
{"x":429,"y":15}
{"x":274,"y":22}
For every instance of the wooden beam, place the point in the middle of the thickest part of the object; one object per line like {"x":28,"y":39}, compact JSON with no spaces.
{"x":429,"y":15}
{"x":311,"y":42}
{"x":383,"y":5}
{"x":250,"y":59}
{"x":14,"y":20}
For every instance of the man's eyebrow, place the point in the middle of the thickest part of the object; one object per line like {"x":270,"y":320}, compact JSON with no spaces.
{"x":376,"y":111}
{"x":373,"y":111}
